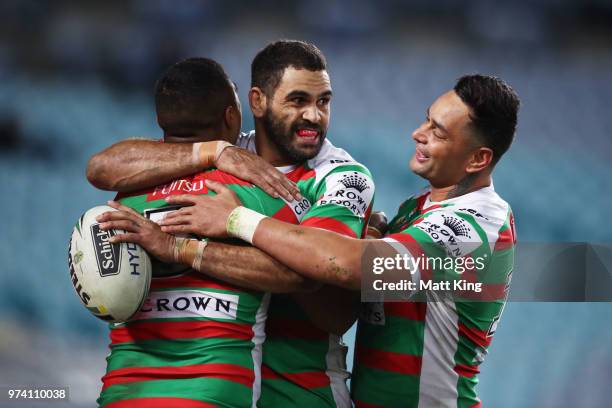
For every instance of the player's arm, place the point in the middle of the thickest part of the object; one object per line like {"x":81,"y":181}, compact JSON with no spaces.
{"x":249,"y":267}
{"x":324,"y":256}
{"x":135,"y":164}
{"x":329,"y":253}
{"x":239,"y":264}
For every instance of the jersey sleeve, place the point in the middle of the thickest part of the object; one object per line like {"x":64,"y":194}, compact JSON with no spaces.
{"x":344,"y":199}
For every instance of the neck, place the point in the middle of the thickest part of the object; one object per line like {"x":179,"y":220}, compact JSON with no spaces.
{"x":469,"y":183}
{"x":267,"y":150}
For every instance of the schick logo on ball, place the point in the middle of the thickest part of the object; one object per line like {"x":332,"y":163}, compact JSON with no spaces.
{"x":107,"y":254}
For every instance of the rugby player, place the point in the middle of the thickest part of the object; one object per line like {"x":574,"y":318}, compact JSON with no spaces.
{"x":303,"y":357}
{"x":411,"y":354}
{"x":196,"y":340}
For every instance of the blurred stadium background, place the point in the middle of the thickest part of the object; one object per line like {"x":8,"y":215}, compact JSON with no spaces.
{"x":78,"y":76}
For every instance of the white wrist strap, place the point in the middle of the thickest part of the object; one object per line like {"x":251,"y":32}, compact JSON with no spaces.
{"x":242,"y":223}
{"x":220,"y":148}
{"x":197,"y":261}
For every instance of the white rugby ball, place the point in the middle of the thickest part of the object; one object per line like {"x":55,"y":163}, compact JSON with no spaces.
{"x":111,"y":280}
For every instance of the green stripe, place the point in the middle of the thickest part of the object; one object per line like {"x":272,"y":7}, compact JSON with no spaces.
{"x":466,"y":392}
{"x":181,"y":352}
{"x":280,"y":393}
{"x":285,"y":355}
{"x":500,"y":266}
{"x":385,"y":388}
{"x":217,"y":391}
{"x":478,"y":315}
{"x":398,"y":335}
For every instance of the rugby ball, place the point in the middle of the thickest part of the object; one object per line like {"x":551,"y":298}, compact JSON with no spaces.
{"x":111,"y":280}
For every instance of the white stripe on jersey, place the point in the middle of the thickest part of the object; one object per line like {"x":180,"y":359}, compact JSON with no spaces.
{"x":259,"y":335}
{"x":438,"y":381}
{"x":335,"y":360}
{"x":402,"y":250}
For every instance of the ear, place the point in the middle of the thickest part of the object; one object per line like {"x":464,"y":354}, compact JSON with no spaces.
{"x":230,"y":116}
{"x":258,"y":102}
{"x":232,"y":122}
{"x":480,"y":160}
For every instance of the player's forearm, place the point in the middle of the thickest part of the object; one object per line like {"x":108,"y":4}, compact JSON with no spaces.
{"x":134,"y":164}
{"x":131,"y":165}
{"x":249,"y":267}
{"x":318,"y":254}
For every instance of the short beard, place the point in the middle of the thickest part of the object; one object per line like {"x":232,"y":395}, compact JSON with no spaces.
{"x":283,"y":139}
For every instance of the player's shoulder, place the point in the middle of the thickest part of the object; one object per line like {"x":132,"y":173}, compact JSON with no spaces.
{"x":484,"y":205}
{"x":332,"y":159}
{"x":473,"y":216}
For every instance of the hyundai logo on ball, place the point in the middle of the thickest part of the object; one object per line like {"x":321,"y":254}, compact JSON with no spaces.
{"x":107,"y":254}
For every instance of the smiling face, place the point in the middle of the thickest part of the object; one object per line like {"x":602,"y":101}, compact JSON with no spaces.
{"x":297,"y":113}
{"x":445,"y":144}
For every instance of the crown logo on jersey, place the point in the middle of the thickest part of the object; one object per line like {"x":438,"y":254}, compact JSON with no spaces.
{"x":356,"y":181}
{"x":457,"y":225}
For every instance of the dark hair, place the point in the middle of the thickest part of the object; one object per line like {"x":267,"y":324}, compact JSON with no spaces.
{"x":494,"y":109}
{"x":193,"y":94}
{"x":270,"y":63}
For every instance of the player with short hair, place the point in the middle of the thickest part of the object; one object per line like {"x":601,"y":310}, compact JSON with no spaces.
{"x":413,"y":354}
{"x":303,"y":357}
{"x":196,"y":340}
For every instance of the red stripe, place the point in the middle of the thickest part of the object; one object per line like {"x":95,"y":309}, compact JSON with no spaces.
{"x":286,"y":215}
{"x":329,"y":224}
{"x":301,"y":173}
{"x":192,"y":280}
{"x":359,"y":404}
{"x":505,"y":240}
{"x":307,"y":380}
{"x":229,"y":372}
{"x":193,"y":185}
{"x":297,"y":329}
{"x":162,"y":402}
{"x":221,"y":177}
{"x":489,"y":291}
{"x":407,"y":310}
{"x":431,"y":207}
{"x":421,"y":202}
{"x":466,"y":371}
{"x":170,"y":330}
{"x":416,"y":250}
{"x":476,"y":336}
{"x":389,"y":361}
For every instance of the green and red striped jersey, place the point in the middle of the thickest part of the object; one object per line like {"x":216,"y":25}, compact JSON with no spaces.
{"x":427,"y":353}
{"x":196,"y":342}
{"x":304,"y":366}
